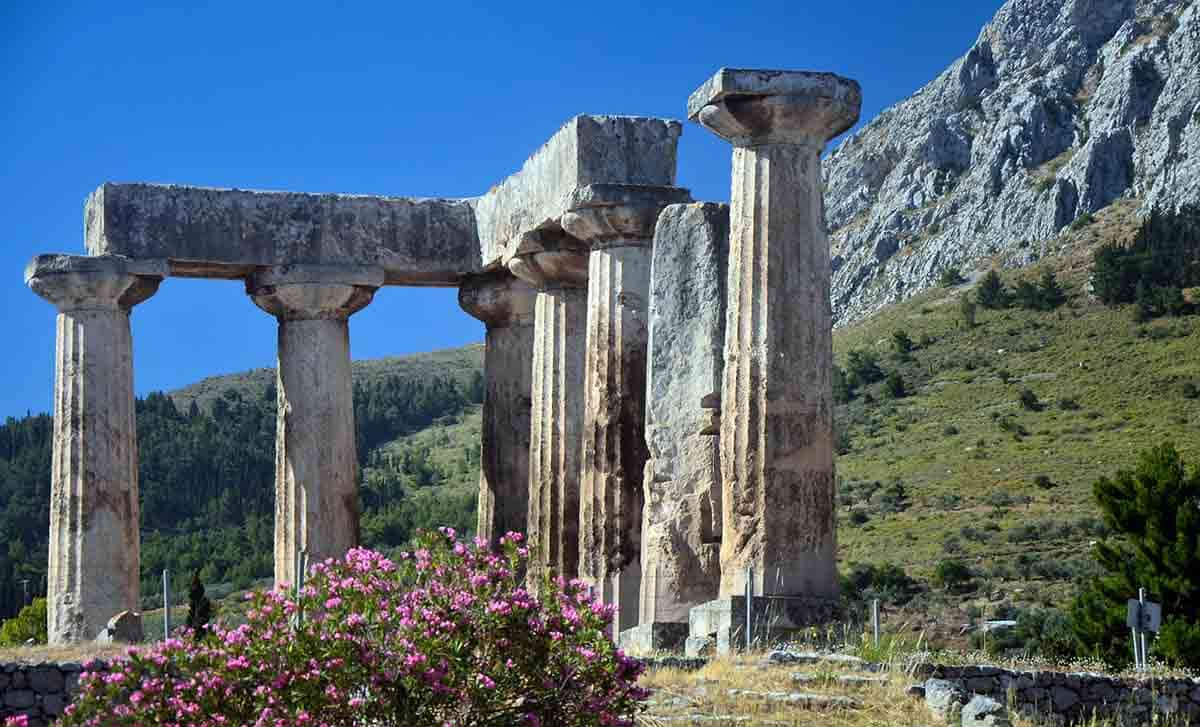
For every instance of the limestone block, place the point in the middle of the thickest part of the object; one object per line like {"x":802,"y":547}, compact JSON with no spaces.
{"x":123,"y":628}
{"x":506,"y":305}
{"x":226,"y":233}
{"x":984,"y":711}
{"x":776,"y":398}
{"x":682,"y":516}
{"x":944,"y":699}
{"x":586,"y":150}
{"x":94,"y":550}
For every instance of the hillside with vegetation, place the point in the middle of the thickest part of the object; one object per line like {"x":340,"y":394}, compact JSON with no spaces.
{"x":207,"y":468}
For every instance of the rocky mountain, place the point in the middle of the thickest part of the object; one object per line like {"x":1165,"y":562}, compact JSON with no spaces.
{"x":1060,"y":109}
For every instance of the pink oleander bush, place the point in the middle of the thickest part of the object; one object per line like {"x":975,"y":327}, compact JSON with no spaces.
{"x":448,"y":635}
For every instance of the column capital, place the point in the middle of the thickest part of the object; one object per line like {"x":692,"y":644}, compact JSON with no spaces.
{"x":109,"y":282}
{"x":759,"y":107}
{"x":498,"y":298}
{"x":314,"y":292}
{"x":548,"y":258}
{"x":617,"y":215}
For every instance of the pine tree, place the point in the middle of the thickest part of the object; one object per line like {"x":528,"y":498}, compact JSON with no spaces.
{"x":1052,"y":294}
{"x":1154,"y":514}
{"x":991,"y":293}
{"x":199,"y":607}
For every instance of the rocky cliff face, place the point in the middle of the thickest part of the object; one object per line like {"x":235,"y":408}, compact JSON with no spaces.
{"x":1061,"y":108}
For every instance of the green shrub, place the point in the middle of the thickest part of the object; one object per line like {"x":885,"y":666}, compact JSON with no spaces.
{"x":1164,"y":255}
{"x":29,"y":624}
{"x":950,"y":276}
{"x":950,"y":430}
{"x":889,"y":583}
{"x":953,"y":575}
{"x":902,"y":344}
{"x":1029,"y":400}
{"x":1044,"y":482}
{"x":895,"y":385}
{"x":966,"y":308}
{"x":862,"y":368}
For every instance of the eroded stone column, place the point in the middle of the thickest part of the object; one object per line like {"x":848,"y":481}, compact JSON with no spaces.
{"x":316,"y":465}
{"x":777,"y":452}
{"x":617,"y":222}
{"x":556,"y":265}
{"x":506,"y":305}
{"x":94,"y":555}
{"x":681,"y":531}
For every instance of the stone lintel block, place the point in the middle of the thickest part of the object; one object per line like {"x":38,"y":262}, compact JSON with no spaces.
{"x":586,"y":150}
{"x":227,"y":233}
{"x":750,"y":106}
{"x":656,"y":636}
{"x":75,"y":281}
{"x":603,"y":214}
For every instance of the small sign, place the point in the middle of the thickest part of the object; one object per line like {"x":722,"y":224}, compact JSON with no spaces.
{"x":1145,"y":616}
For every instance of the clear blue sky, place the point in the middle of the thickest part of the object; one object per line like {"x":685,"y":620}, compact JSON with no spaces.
{"x":422,"y":99}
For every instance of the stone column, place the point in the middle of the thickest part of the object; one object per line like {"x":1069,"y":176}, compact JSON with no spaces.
{"x":556,"y":265}
{"x":316,"y":464}
{"x":94,"y":543}
{"x":777,"y":403}
{"x":617,"y":221}
{"x":681,"y":524}
{"x":506,"y":305}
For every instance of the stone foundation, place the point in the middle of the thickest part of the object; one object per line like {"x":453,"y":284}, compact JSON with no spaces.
{"x":720,"y":625}
{"x":39,"y":691}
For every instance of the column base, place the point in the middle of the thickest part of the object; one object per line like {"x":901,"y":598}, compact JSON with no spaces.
{"x":720,"y":625}
{"x":650,"y":637}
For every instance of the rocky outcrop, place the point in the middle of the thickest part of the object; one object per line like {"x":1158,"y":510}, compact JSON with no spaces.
{"x":1059,"y":109}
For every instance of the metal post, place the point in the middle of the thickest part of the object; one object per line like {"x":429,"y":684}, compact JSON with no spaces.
{"x":875,"y":620}
{"x":24,"y":591}
{"x":749,"y":608}
{"x":166,"y":604}
{"x":298,"y":586}
{"x":1141,"y":633}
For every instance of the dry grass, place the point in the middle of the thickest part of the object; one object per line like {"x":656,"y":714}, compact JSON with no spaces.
{"x":703,"y":697}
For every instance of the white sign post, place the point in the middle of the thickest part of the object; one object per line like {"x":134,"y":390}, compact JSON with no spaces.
{"x":1142,"y":616}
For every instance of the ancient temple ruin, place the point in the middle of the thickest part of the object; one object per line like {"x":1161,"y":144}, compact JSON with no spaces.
{"x":657,"y":415}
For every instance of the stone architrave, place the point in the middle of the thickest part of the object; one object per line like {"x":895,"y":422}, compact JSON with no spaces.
{"x":94,"y":557}
{"x":555,"y":264}
{"x":617,"y":222}
{"x":777,"y":455}
{"x":506,"y":305}
{"x":681,"y":530}
{"x":316,"y":464}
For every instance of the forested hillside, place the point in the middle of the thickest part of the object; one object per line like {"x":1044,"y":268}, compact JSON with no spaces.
{"x":207,"y":459}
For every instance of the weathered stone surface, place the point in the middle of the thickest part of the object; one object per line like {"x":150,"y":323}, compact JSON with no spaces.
{"x":123,"y":628}
{"x":944,"y":699}
{"x":587,"y":150}
{"x":94,"y":541}
{"x":316,"y":464}
{"x":556,"y":265}
{"x":47,"y":680}
{"x":776,"y":399}
{"x":226,"y":233}
{"x":984,"y":711}
{"x":650,"y":637}
{"x":681,"y":528}
{"x":506,"y":305}
{"x":617,"y":222}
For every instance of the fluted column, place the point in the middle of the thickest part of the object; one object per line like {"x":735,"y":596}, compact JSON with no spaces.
{"x":556,"y":265}
{"x":777,"y":453}
{"x":506,"y":306}
{"x":94,"y":557}
{"x":617,"y":222}
{"x":316,"y":464}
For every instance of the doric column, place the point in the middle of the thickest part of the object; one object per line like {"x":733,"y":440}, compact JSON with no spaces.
{"x":94,"y":543}
{"x":556,"y":265}
{"x":506,"y":306}
{"x":617,"y":222}
{"x":776,"y":399}
{"x":316,"y":465}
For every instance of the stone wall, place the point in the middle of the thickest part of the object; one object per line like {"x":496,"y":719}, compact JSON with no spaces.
{"x":1072,"y":698}
{"x":40,"y":691}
